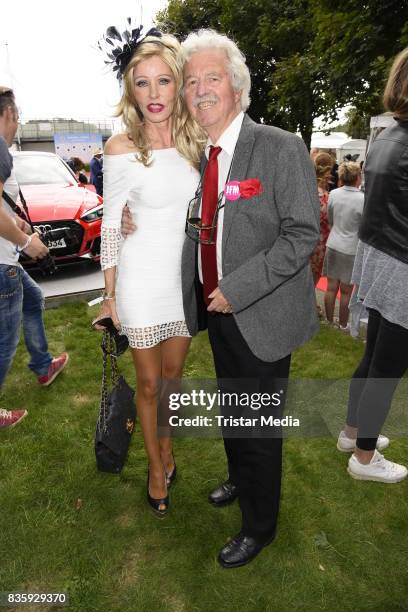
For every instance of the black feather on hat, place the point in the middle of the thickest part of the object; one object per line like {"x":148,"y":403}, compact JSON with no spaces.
{"x":120,"y":55}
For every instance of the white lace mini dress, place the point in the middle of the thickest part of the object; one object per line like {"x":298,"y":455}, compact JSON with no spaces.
{"x":149,"y":297}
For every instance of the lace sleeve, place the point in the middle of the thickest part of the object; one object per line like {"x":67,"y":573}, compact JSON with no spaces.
{"x":111,"y":239}
{"x":117,"y":176}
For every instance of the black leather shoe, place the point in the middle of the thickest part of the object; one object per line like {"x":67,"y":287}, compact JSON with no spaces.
{"x":159,"y":506}
{"x":241,"y":550}
{"x":223,"y":495}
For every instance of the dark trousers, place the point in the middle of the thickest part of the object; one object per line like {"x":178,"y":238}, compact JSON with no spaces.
{"x":374,"y":382}
{"x":254,"y":462}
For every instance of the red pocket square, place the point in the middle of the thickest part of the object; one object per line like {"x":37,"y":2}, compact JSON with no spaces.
{"x":250,"y":188}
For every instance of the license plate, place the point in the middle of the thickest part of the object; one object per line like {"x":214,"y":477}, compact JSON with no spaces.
{"x":57,"y":244}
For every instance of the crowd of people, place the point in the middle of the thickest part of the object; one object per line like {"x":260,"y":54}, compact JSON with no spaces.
{"x":341,"y":208}
{"x":243,"y":267}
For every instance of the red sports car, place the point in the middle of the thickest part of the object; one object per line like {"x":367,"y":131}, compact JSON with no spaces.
{"x":55,"y":200}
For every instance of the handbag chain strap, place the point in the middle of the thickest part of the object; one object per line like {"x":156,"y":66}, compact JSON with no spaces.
{"x":108,"y":347}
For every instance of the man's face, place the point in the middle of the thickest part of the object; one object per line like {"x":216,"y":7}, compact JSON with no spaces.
{"x":208,"y":91}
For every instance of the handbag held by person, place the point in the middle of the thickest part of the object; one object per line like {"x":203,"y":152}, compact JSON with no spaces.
{"x":117,"y":414}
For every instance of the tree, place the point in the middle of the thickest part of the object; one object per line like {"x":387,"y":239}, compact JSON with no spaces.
{"x":275,"y":36}
{"x":232,"y":18}
{"x":357,"y":41}
{"x":308,"y":58}
{"x":357,"y":125}
{"x":184,"y":16}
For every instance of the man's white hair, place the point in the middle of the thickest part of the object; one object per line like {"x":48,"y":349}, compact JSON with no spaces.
{"x":210,"y":39}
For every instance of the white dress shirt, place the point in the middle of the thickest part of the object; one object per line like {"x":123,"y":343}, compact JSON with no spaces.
{"x":227,"y":141}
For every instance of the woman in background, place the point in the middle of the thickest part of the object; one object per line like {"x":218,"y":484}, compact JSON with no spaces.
{"x":344,"y":214}
{"x":323,"y":163}
{"x":381,"y":273}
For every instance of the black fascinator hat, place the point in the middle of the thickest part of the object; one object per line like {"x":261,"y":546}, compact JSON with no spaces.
{"x":119,"y":48}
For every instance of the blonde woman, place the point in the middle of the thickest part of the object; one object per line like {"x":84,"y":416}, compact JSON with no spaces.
{"x":151,"y":167}
{"x":344,"y":213}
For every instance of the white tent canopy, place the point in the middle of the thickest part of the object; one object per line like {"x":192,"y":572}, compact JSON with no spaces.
{"x":342,"y":144}
{"x":334,"y":141}
{"x":352,"y":147}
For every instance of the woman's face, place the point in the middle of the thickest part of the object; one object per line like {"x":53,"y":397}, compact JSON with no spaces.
{"x":154,"y":88}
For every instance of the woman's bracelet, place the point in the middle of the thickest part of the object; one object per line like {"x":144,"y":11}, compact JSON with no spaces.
{"x":22,"y":248}
{"x":108,"y":295}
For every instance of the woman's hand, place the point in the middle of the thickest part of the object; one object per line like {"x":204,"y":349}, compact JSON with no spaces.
{"x":127,"y":226}
{"x":108,"y":309}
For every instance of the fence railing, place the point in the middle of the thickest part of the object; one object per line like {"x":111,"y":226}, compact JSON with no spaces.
{"x":45,"y":130}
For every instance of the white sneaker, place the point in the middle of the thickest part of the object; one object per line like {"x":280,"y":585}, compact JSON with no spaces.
{"x":348,"y":445}
{"x":379,"y":469}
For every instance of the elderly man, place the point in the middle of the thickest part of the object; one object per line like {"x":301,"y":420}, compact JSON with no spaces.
{"x":253,"y":269}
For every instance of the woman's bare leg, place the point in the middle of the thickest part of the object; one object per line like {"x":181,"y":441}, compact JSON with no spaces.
{"x":174,"y":352}
{"x":316,"y":277}
{"x":330,"y":298}
{"x":345,"y":295}
{"x":148,"y":365}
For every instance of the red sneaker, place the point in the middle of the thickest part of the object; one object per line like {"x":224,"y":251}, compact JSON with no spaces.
{"x":56,"y":366}
{"x":10,"y":418}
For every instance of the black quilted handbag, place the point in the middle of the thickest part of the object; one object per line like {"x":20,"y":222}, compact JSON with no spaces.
{"x":117,"y":413}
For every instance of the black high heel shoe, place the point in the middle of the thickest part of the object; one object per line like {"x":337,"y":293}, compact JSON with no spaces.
{"x":156,"y":503}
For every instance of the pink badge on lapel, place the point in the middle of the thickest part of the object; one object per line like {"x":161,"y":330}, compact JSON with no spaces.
{"x":242,"y":189}
{"x":232,"y":191}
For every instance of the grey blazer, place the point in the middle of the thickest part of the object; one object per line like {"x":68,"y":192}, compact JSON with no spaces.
{"x":266,"y":244}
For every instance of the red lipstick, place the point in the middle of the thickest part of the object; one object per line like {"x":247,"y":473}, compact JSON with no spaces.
{"x":155,"y":108}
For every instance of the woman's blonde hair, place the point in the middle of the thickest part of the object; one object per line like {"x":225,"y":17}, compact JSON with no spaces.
{"x":349,"y":172}
{"x":323,"y":163}
{"x":396,"y":90}
{"x":188,"y":137}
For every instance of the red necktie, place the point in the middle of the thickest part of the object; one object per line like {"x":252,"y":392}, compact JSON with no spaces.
{"x":208,"y":209}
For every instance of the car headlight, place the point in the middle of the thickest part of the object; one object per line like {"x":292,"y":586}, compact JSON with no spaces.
{"x":94,"y":214}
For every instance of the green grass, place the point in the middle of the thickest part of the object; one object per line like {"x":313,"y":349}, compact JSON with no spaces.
{"x":342,"y":545}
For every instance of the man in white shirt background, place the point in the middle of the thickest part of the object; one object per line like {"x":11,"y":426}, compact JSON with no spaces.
{"x":21,"y":299}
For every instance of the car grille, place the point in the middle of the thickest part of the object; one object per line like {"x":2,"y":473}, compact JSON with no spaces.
{"x":73,"y":238}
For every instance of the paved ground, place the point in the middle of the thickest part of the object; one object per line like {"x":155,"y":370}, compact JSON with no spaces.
{"x":77,"y":278}
{"x":70,"y":283}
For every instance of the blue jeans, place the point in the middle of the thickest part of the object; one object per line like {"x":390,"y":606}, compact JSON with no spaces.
{"x":21,"y":300}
